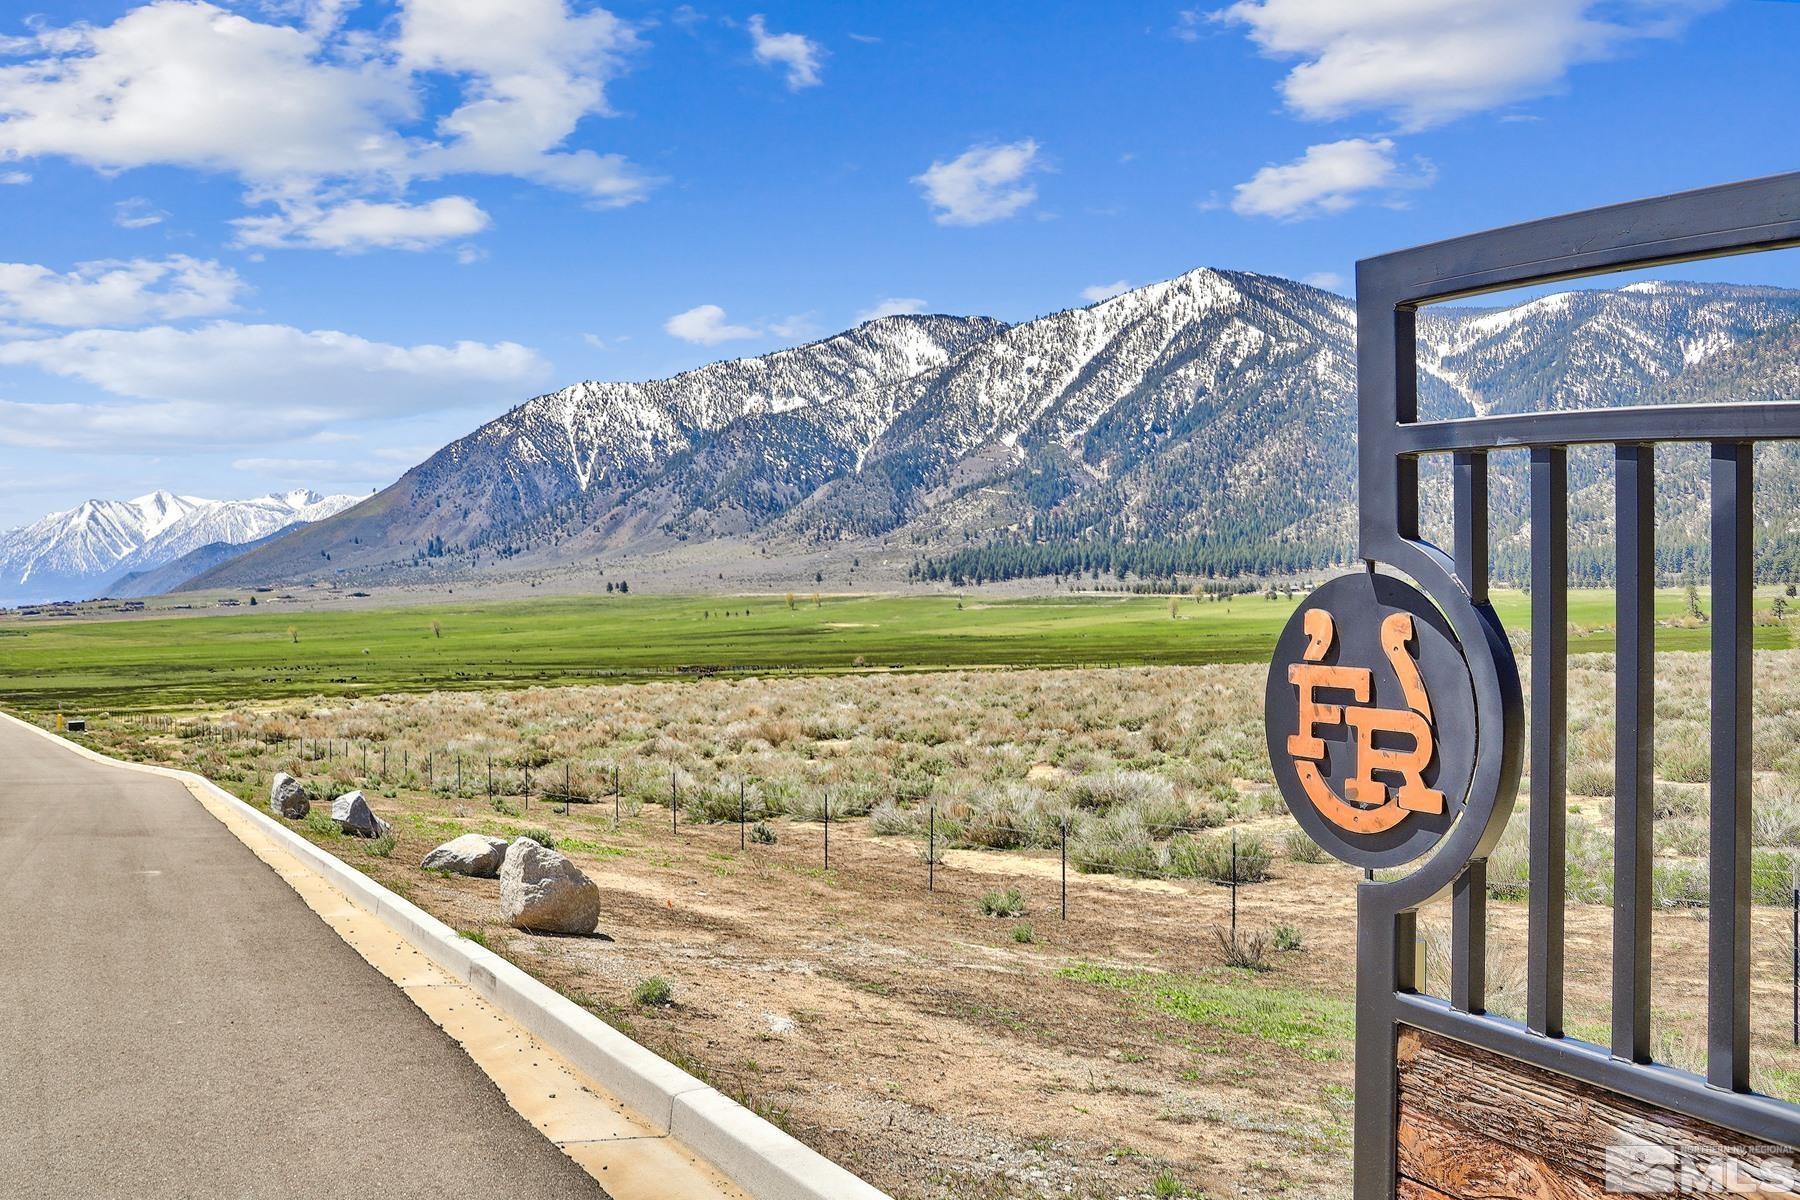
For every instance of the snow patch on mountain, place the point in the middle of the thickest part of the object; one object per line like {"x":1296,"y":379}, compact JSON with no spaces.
{"x":71,"y":554}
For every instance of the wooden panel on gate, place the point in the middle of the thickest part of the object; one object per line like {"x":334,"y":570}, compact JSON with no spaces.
{"x":1481,"y":1126}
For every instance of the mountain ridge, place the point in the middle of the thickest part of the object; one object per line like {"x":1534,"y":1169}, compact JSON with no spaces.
{"x":80,"y":551}
{"x":1201,"y":425}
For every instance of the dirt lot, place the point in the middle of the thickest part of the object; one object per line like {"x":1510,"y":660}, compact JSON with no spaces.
{"x":908,"y":1036}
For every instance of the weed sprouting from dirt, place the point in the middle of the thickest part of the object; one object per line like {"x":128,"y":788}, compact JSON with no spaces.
{"x":1003,"y":902}
{"x":654,"y":992}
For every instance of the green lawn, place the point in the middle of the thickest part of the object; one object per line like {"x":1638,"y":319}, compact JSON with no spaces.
{"x":171,"y":662}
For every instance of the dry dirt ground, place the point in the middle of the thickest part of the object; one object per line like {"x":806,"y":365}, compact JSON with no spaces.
{"x":920,"y":1043}
{"x":944,"y":1053}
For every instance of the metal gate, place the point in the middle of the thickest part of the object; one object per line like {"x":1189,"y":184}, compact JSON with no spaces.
{"x":1476,"y":800}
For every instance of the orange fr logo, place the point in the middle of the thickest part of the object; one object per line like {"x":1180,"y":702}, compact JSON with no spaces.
{"x":1374,"y":809}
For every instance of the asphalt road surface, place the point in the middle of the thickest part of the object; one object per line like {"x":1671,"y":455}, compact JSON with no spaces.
{"x":174,"y":1021}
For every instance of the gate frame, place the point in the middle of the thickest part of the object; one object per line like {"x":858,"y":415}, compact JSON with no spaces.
{"x":1737,"y":218}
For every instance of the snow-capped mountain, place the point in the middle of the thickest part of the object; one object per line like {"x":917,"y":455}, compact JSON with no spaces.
{"x":75,"y":553}
{"x":1202,"y":424}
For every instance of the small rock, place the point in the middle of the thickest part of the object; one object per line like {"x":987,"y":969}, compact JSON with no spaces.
{"x":287,"y":797}
{"x":351,"y":812}
{"x":543,"y":892}
{"x":471,"y":854}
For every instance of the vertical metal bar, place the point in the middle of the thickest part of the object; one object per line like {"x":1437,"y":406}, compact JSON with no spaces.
{"x":1728,"y":935}
{"x":1468,"y":906}
{"x":1065,"y":899}
{"x":741,"y":833}
{"x":1634,"y":716}
{"x":828,"y":831}
{"x":1378,"y":977}
{"x":1404,"y":469}
{"x":1796,"y":963}
{"x":1409,"y":954}
{"x":1549,"y":737}
{"x":931,"y":853}
{"x":1469,"y":471}
{"x":1468,"y":939}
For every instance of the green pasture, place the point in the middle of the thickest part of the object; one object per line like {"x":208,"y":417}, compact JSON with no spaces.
{"x":172,"y":662}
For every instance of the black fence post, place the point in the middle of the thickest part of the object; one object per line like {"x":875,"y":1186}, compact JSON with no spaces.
{"x":1234,"y":875}
{"x":931,"y":853}
{"x":1796,"y":960}
{"x":490,"y":759}
{"x":672,"y":798}
{"x":741,"y":833}
{"x":615,"y":795}
{"x":828,"y":830}
{"x":1065,"y":868}
{"x":568,"y":790}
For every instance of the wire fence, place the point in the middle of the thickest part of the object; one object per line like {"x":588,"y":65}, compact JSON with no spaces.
{"x":1175,"y":852}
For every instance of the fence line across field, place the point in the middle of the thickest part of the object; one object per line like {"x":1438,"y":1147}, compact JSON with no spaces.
{"x":936,"y":843}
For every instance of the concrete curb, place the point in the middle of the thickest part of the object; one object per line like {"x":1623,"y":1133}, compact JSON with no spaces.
{"x":763,"y":1160}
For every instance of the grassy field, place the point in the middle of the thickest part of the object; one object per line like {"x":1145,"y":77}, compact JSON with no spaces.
{"x":171,"y":662}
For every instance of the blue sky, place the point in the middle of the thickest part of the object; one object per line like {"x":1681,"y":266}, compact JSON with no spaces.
{"x":261,"y":245}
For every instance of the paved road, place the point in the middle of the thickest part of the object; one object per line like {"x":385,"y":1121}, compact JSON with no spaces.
{"x":174,"y":1021}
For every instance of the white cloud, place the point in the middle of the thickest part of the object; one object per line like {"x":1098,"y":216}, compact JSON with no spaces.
{"x":799,"y":54}
{"x":314,"y":114}
{"x":800,"y":325}
{"x":312,"y":471}
{"x":982,"y":184}
{"x":117,"y":292}
{"x":188,"y":84}
{"x":358,"y":225}
{"x":1329,"y":281}
{"x":226,"y":383}
{"x":1105,"y":291}
{"x":1328,"y":178}
{"x":532,"y":70}
{"x":1429,"y":61}
{"x":705,"y":325}
{"x":892,"y":306}
{"x":137,"y":213}
{"x":15,"y":178}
